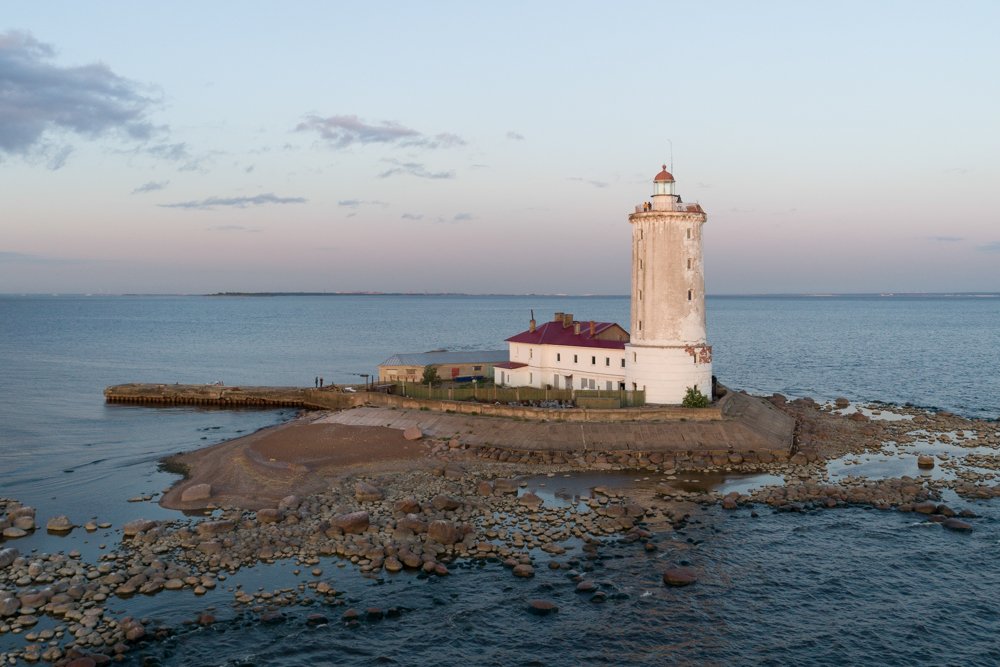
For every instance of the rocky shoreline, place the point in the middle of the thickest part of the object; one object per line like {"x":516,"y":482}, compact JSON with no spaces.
{"x":443,"y":504}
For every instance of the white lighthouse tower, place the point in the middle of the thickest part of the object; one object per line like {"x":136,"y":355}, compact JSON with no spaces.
{"x":668,"y":351}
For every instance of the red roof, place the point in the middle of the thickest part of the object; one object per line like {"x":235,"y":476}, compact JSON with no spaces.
{"x":509,"y":365}
{"x":554,"y":333}
{"x":664,"y":176}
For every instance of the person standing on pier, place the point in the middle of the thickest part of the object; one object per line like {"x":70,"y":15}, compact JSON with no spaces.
{"x":316,"y":382}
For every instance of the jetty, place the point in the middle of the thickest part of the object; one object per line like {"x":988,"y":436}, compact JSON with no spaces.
{"x":736,"y":428}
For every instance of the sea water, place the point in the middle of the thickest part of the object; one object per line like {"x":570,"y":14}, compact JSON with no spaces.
{"x":833,"y":587}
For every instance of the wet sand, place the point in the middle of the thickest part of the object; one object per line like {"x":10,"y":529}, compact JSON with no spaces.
{"x":300,"y":457}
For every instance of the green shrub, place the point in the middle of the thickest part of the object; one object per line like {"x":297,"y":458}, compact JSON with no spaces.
{"x":695,"y":399}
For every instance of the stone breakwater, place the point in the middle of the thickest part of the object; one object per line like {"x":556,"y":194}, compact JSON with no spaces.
{"x":462,"y":505}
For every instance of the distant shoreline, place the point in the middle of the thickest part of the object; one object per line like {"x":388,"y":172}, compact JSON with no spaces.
{"x":762,"y":295}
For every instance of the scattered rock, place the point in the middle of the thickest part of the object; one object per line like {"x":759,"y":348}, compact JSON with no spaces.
{"x":413,"y":433}
{"x":925,"y":462}
{"x":352,"y":523}
{"x":957,"y":525}
{"x":524,"y":570}
{"x":59,"y":524}
{"x":542,"y":607}
{"x":367,"y":493}
{"x":679,"y":576}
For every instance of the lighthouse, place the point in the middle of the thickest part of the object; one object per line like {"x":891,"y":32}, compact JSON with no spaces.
{"x":668,"y":350}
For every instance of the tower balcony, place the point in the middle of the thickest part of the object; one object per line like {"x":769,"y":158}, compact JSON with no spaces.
{"x":675,"y":207}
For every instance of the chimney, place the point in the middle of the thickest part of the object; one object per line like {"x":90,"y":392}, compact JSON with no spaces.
{"x":531,"y":325}
{"x":593,"y":328}
{"x":558,"y":317}
{"x":567,"y":319}
{"x":576,"y":328}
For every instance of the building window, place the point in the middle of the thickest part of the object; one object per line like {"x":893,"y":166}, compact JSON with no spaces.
{"x":531,"y":378}
{"x":411,"y":371}
{"x":593,"y":361}
{"x":689,"y":233}
{"x":477,"y":368}
{"x":689,"y":262}
{"x":633,"y":357}
{"x":623,"y":362}
{"x":690,"y":294}
{"x":607,"y":362}
{"x":558,"y":357}
{"x":640,"y":295}
{"x":640,"y":264}
{"x":640,"y":325}
{"x":531,"y":353}
{"x":574,"y":358}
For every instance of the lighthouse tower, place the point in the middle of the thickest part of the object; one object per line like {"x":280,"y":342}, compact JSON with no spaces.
{"x":668,"y":351}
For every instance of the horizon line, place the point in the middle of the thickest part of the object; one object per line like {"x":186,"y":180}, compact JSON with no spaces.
{"x":811,"y":294}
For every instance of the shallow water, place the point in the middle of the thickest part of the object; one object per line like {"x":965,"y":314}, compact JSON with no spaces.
{"x":834,"y":587}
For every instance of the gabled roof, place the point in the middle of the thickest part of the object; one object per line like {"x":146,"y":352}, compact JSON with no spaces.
{"x":447,"y":357}
{"x":509,"y":365}
{"x":554,"y":333}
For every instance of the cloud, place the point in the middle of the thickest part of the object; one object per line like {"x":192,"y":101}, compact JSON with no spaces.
{"x":58,"y":159}
{"x":151,"y":186}
{"x":959,"y":171}
{"x":596,"y":184}
{"x":515,"y":136}
{"x":236,"y":202}
{"x":945,"y":239}
{"x":344,"y":131}
{"x":414,"y":169}
{"x":40,"y":97}
{"x":462,"y":217}
{"x":355,"y":203}
{"x":990,"y":247}
{"x":412,"y":216}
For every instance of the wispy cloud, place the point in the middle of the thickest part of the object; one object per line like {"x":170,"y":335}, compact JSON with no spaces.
{"x":412,"y":216}
{"x":40,"y":97}
{"x":596,"y":184}
{"x":462,"y":217}
{"x":515,"y":136}
{"x":151,"y":186}
{"x":993,"y":246}
{"x":236,"y":202}
{"x":945,"y":239}
{"x":344,"y":131}
{"x":414,"y":169}
{"x":355,"y":203}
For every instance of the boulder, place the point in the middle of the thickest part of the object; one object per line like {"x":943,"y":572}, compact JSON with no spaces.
{"x":24,"y":522}
{"x":9,"y":606}
{"x":484,"y":488}
{"x":133,"y":528}
{"x":503,"y":486}
{"x":926,"y":507}
{"x":679,"y":576}
{"x":59,"y":524}
{"x":841,"y":402}
{"x":523,"y":570}
{"x":367,"y":493}
{"x":269,"y":515}
{"x":7,"y":556}
{"x":412,"y":523}
{"x":289,"y":503}
{"x":530,"y":500}
{"x":542,"y":607}
{"x":196,"y":492}
{"x":352,"y":522}
{"x":13,"y":532}
{"x":211,"y":528}
{"x":408,"y":505}
{"x":957,"y":525}
{"x":925,"y":462}
{"x":413,"y":433}
{"x":445,"y":503}
{"x":444,"y":532}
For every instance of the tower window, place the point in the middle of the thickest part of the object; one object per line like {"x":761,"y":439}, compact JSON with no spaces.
{"x":574,"y":358}
{"x":558,"y":357}
{"x":640,"y":325}
{"x":623,"y":362}
{"x":690,"y":294}
{"x":633,"y":357}
{"x":640,"y":295}
{"x":689,"y":262}
{"x":689,"y":233}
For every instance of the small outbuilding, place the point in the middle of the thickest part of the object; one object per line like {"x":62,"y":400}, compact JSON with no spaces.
{"x":456,"y":366}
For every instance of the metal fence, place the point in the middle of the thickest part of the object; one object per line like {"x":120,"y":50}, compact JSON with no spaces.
{"x":520,"y":395}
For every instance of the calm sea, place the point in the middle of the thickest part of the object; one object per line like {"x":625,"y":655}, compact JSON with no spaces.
{"x":838,"y":587}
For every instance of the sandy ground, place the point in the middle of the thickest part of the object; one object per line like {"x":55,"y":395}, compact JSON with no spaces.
{"x":300,"y":457}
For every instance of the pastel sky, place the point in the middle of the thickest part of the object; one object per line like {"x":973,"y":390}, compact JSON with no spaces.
{"x":192,"y":147}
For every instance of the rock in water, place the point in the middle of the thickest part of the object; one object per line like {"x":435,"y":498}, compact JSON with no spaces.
{"x":413,"y":433}
{"x":59,"y":524}
{"x":957,"y":525}
{"x":841,"y":402}
{"x":523,"y":570}
{"x":542,"y":607}
{"x":196,"y":492}
{"x":7,"y":556}
{"x":925,"y":462}
{"x":530,"y":500}
{"x":679,"y":576}
{"x":133,"y":528}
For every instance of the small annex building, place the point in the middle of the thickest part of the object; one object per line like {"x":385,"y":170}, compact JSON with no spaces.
{"x":457,"y":366}
{"x":565,"y":354}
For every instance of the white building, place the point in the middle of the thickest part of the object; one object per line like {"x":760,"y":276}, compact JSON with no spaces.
{"x":566,"y":354}
{"x":667,"y":352}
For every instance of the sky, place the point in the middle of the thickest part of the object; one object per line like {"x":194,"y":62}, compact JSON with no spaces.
{"x":192,"y":147}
